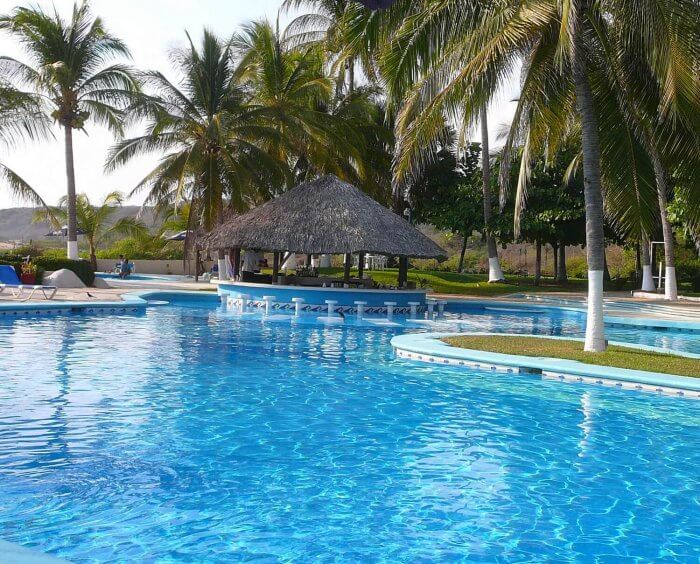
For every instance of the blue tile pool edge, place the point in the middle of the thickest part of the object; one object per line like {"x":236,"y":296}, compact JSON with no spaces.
{"x":428,"y":347}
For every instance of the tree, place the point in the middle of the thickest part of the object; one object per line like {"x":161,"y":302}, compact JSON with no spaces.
{"x":68,"y":68}
{"x":216,"y":144}
{"x":317,"y":133}
{"x":461,"y":51}
{"x":449,"y":194}
{"x":94,"y":222}
{"x":20,"y":117}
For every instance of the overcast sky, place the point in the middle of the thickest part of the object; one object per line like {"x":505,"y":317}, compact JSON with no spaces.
{"x":150,"y":28}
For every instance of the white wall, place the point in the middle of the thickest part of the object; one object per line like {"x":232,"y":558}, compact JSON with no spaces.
{"x":154,"y":266}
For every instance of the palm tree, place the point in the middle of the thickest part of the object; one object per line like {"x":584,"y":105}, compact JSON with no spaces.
{"x":20,"y":117}
{"x":94,"y":222}
{"x":211,"y":136}
{"x":68,"y":68}
{"x":461,"y":51}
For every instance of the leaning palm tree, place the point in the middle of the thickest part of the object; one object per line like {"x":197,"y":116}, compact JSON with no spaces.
{"x":95,"y":222}
{"x":290,"y":91}
{"x":20,"y":117}
{"x":68,"y":66}
{"x":458,"y":53}
{"x":211,"y":136}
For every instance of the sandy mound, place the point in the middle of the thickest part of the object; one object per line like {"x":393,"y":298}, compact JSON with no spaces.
{"x":101,"y":283}
{"x":63,"y":278}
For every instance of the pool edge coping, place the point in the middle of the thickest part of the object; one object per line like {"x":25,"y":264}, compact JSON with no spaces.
{"x":429,"y":348}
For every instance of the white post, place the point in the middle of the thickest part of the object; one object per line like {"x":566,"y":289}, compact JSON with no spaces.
{"x":269,"y":300}
{"x":495,"y":272}
{"x":360,"y":309}
{"x":595,"y":323}
{"x":298,"y":303}
{"x":223,"y":269}
{"x":414,"y":309}
{"x":670,"y":287}
{"x":331,"y":307}
{"x":647,"y":278}
{"x":72,"y":250}
{"x":661,"y":276}
{"x":243,"y":300}
{"x":389,"y":309}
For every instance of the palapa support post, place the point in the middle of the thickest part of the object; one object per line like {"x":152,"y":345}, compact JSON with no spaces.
{"x":308,"y":260}
{"x":361,"y":265}
{"x":275,"y":265}
{"x":403,"y":271}
{"x":236,"y":263}
{"x":348,"y":263}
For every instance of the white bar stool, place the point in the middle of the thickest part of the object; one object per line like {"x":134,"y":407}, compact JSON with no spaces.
{"x":243,"y":302}
{"x":298,"y":304}
{"x":360,"y":309}
{"x":441,"y":306}
{"x":414,"y":309}
{"x":269,"y":302}
{"x":390,"y":309}
{"x":331,"y":306}
{"x":431,"y":308}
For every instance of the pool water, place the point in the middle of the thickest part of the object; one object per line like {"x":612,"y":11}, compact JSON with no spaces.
{"x":187,"y":434}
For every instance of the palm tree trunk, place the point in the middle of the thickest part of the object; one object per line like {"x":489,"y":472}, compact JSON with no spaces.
{"x":555,"y":263}
{"x":351,"y":75}
{"x":460,"y":268}
{"x":538,"y":262}
{"x":593,"y":195}
{"x":561,"y":267}
{"x":647,"y":274}
{"x":662,"y":189}
{"x":72,"y":246}
{"x":495,"y":272}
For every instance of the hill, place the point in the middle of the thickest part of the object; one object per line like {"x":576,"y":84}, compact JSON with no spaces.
{"x":16,"y":223}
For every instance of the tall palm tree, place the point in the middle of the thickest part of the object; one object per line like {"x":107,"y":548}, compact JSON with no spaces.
{"x":20,"y":117}
{"x":68,"y":66}
{"x":212,"y":138}
{"x":458,"y":54}
{"x":94,"y":222}
{"x":288,"y":89}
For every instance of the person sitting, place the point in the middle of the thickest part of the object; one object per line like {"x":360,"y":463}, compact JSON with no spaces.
{"x":125,"y":268}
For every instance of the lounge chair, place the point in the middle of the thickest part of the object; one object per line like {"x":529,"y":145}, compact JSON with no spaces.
{"x":10,"y":281}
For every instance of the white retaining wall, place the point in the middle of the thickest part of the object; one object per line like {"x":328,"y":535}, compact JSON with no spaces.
{"x":153,"y":266}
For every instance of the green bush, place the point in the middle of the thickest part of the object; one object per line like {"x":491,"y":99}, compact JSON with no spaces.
{"x":82,"y":268}
{"x":577,"y":267}
{"x":689,"y":271}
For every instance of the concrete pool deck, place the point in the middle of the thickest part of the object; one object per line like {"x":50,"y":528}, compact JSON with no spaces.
{"x":430,"y":348}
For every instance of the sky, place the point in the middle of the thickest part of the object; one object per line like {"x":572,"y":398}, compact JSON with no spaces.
{"x":151,"y":28}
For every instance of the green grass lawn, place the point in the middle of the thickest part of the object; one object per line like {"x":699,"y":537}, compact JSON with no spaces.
{"x":467,"y":284}
{"x":619,"y":357}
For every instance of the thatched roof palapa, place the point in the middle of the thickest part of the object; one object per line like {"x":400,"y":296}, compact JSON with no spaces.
{"x":325,"y":216}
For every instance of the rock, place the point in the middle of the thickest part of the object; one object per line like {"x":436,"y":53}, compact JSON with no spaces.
{"x":101,"y":283}
{"x":63,"y":278}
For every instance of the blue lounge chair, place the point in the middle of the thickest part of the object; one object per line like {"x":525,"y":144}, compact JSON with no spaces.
{"x":10,"y":281}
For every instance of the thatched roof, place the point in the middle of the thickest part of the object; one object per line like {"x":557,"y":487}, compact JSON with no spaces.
{"x":326,"y":216}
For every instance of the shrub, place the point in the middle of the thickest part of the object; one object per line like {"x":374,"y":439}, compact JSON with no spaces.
{"x":82,"y":268}
{"x":689,"y":271}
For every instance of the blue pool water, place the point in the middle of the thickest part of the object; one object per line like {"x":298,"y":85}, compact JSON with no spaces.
{"x":186,"y":434}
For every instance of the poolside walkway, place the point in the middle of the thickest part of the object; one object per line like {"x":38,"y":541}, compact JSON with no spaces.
{"x":617,"y":304}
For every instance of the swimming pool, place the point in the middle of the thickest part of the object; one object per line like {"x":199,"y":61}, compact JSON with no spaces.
{"x":186,"y":433}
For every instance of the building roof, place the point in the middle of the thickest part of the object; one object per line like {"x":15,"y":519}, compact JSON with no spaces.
{"x":325,"y":216}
